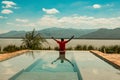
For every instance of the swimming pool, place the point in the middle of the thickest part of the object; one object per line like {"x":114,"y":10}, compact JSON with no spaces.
{"x":37,"y":66}
{"x":43,"y":66}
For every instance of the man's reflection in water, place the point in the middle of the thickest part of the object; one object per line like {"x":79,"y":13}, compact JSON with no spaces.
{"x":62,"y":45}
{"x":62,"y":58}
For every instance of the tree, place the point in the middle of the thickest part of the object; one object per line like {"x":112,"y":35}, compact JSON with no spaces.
{"x":33,"y":40}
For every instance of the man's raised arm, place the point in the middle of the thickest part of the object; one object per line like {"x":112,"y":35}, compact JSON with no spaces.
{"x":70,"y":38}
{"x":54,"y":39}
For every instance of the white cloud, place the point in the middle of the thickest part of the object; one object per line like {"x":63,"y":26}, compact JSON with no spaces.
{"x":50,"y":11}
{"x":22,"y":24}
{"x":9,"y":23}
{"x":26,"y":25}
{"x":6,"y":11}
{"x":79,"y":22}
{"x":44,"y":66}
{"x":73,"y":21}
{"x":8,"y":4}
{"x":96,"y":6}
{"x":22,"y":20}
{"x":2,"y":17}
{"x":109,"y":5}
{"x":16,"y":7}
{"x":48,"y":21}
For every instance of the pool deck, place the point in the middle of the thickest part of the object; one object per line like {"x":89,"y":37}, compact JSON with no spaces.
{"x":113,"y":59}
{"x":6,"y":56}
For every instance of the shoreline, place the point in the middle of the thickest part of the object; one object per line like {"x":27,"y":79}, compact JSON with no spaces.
{"x":112,"y":59}
{"x":7,"y":56}
{"x":73,"y":43}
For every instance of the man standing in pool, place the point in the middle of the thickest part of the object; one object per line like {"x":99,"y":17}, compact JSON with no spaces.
{"x":62,"y":44}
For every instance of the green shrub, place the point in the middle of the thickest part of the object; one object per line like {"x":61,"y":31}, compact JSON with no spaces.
{"x":48,"y":48}
{"x":69,"y":48}
{"x":102,"y":49}
{"x":56,"y":48}
{"x":90,"y":47}
{"x":116,"y":49}
{"x":84,"y":47}
{"x":78,"y":47}
{"x":11,"y":48}
{"x":110,"y":49}
{"x":0,"y":48}
{"x":22,"y":47}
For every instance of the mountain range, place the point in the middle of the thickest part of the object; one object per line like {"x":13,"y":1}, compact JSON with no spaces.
{"x":67,"y":33}
{"x":49,"y":32}
{"x":103,"y":34}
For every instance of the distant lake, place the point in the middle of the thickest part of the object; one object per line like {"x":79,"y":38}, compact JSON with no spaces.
{"x":72,"y":43}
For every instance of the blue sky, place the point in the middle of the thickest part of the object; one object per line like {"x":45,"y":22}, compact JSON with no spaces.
{"x":41,"y":14}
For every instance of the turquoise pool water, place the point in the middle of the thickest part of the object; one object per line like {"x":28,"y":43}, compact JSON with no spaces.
{"x":44,"y":66}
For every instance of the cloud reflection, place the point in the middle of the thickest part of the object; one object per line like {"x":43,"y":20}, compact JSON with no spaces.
{"x":49,"y":65}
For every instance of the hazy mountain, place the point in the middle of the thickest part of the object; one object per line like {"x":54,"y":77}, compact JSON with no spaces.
{"x":65,"y":33}
{"x":104,"y":33}
{"x":55,"y":32}
{"x":13,"y":34}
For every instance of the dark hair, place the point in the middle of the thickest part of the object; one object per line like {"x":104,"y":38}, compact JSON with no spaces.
{"x":62,"y":39}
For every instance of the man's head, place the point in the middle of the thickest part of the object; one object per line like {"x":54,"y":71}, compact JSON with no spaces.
{"x":62,"y":39}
